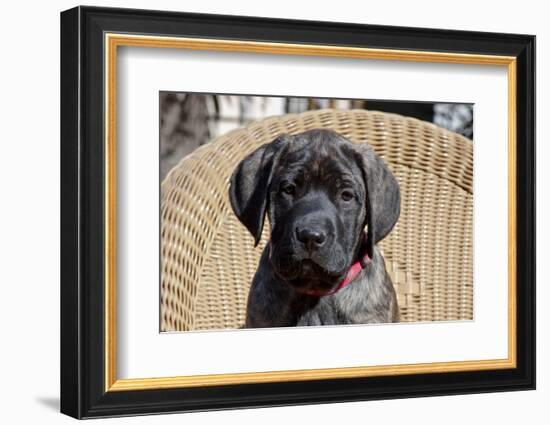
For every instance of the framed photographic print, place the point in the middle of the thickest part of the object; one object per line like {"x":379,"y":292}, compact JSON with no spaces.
{"x":261,"y":212}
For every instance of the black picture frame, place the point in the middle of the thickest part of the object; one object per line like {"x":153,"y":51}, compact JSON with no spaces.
{"x":83,"y":392}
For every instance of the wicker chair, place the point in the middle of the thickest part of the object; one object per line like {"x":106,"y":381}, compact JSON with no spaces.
{"x":208,"y":257}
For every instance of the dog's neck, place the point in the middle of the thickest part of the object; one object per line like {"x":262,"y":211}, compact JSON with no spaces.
{"x":362,"y":261}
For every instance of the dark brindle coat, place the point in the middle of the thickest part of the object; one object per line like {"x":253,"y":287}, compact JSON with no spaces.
{"x":319,"y":191}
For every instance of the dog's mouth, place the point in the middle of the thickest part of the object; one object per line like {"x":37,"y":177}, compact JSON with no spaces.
{"x":306,"y":274}
{"x":308,"y":268}
{"x":318,"y":271}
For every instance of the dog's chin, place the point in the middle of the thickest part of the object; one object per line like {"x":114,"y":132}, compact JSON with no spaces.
{"x":307,"y":275}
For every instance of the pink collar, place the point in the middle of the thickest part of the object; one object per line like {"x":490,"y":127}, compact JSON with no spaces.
{"x":352,"y":273}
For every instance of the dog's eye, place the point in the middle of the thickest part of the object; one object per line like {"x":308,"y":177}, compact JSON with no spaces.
{"x":289,"y":189}
{"x":347,"y":195}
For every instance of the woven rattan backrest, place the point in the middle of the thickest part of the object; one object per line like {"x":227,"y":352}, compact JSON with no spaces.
{"x":208,"y":257}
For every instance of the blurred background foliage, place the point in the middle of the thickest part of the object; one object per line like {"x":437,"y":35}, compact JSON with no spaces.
{"x":189,"y":120}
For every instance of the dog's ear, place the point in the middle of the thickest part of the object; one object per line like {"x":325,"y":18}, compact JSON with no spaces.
{"x":383,"y":201}
{"x":249,"y":185}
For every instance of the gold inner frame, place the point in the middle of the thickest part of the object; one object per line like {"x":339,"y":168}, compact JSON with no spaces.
{"x":113,"y":41}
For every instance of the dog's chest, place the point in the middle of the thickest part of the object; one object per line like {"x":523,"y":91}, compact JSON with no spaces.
{"x":341,"y":308}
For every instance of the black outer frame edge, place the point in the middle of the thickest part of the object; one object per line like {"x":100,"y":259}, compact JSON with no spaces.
{"x":300,"y":31}
{"x":70,"y":347}
{"x":82,"y":393}
{"x":526,"y":207}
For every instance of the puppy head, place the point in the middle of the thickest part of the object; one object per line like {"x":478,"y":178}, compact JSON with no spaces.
{"x":319,"y":191}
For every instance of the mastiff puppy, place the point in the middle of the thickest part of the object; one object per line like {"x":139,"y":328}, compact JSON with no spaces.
{"x":320,"y":267}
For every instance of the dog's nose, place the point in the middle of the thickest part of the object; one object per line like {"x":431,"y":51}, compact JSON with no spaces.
{"x":312,"y":238}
